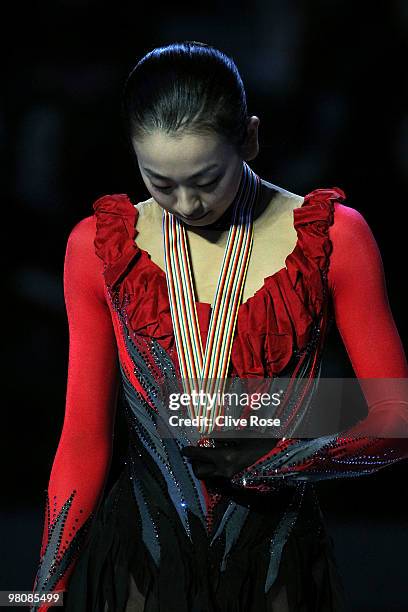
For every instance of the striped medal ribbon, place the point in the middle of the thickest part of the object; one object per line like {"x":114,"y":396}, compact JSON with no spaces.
{"x":201,"y":371}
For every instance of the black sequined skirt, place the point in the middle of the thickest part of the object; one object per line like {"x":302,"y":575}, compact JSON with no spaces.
{"x":116,"y":573}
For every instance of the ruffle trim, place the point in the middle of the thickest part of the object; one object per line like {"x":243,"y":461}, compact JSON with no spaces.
{"x":313,"y":248}
{"x":273,"y":322}
{"x":116,"y":233}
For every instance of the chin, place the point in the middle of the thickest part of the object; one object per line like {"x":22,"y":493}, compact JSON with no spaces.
{"x":208,"y":218}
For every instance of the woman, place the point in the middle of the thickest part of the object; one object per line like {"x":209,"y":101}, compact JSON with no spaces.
{"x":219,"y":273}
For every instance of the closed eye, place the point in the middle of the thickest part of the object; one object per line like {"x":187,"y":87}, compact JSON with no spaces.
{"x":200,"y":186}
{"x":211,"y":183}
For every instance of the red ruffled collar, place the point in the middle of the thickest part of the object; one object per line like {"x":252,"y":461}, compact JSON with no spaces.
{"x":116,"y":218}
{"x":276,"y":318}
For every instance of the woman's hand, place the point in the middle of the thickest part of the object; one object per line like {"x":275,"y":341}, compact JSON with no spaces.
{"x":228,"y":456}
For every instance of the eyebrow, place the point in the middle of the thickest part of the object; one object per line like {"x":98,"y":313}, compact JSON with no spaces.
{"x":165,"y":178}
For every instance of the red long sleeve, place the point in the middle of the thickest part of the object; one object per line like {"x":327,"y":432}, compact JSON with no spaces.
{"x":83,"y":456}
{"x":364,"y":319}
{"x":362,"y":310}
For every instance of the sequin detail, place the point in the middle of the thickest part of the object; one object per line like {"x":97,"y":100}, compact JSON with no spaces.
{"x":281,"y":535}
{"x":149,"y":530}
{"x":231,"y":523}
{"x":57,"y":557}
{"x":183,"y":487}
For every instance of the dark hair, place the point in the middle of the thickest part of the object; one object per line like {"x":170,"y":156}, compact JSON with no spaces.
{"x":186,"y":87}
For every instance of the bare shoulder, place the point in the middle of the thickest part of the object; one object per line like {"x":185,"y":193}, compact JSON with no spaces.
{"x":281,"y":204}
{"x":148,"y":207}
{"x":288,"y":197}
{"x":150,"y":215}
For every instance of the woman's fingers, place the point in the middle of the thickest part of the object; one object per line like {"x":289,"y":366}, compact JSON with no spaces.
{"x":228,"y":457}
{"x":203,"y":470}
{"x":208,"y":462}
{"x":198,"y":453}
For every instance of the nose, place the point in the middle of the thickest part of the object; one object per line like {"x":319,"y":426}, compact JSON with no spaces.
{"x":188,"y":205}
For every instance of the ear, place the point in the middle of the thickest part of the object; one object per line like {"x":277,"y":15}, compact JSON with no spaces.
{"x":250,"y":148}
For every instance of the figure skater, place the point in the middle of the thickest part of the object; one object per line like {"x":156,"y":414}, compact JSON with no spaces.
{"x":218,"y":274}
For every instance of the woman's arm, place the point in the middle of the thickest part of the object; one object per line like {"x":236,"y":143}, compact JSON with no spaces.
{"x":365,"y":322}
{"x":361,"y":307}
{"x":366,"y":325}
{"x":83,"y":456}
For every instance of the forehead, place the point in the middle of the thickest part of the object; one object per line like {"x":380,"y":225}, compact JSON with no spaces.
{"x":169,"y":155}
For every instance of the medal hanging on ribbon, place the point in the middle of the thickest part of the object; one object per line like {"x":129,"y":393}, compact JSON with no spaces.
{"x":207,"y":371}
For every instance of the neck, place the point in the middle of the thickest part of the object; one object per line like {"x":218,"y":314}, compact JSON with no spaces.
{"x":224,"y":222}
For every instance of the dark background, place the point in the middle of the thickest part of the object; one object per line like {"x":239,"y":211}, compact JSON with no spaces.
{"x":326,"y":78}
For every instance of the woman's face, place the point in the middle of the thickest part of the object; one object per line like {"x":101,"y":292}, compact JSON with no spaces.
{"x":195,"y":177}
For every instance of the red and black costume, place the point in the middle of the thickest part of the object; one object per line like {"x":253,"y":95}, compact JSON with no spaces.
{"x":188,"y":548}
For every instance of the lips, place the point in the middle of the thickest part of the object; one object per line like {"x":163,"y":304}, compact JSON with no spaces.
{"x":194,"y":218}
